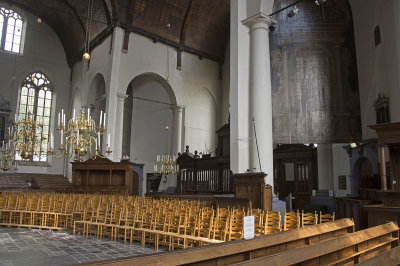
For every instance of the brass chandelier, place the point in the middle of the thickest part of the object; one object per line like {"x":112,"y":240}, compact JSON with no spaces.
{"x":24,"y":142}
{"x":25,"y":138}
{"x":165,"y":164}
{"x":80,"y":137}
{"x":6,"y":157}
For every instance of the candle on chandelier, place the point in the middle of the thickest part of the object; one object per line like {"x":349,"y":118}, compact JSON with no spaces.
{"x":108,"y":140}
{"x":101,"y":117}
{"x":98,"y":138}
{"x":77,"y":137}
{"x":62,"y":137}
{"x":58,"y":119}
{"x":88,"y":113}
{"x":51,"y":141}
{"x":74,"y":114}
{"x":104,"y":120}
{"x":62,"y":115}
{"x":64,"y":120}
{"x":95,"y":142}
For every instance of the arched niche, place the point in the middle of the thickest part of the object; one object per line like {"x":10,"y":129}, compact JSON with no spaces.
{"x":201,"y":119}
{"x":147,"y":110}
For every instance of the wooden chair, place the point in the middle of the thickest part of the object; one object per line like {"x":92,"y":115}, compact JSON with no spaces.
{"x":291,"y":220}
{"x":324,"y":218}
{"x":272,"y":222}
{"x":235,"y":228}
{"x":258,"y":220}
{"x":308,"y":219}
{"x":220,"y":229}
{"x":20,"y":217}
{"x":205,"y":223}
{"x":11,"y":206}
{"x":3,"y":204}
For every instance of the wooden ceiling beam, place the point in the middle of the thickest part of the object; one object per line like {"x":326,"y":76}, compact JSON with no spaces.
{"x":176,"y":45}
{"x":184,"y":23}
{"x":108,"y":11}
{"x":114,"y":12}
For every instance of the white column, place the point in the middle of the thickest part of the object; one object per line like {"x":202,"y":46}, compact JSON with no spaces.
{"x":176,"y":130}
{"x":119,"y":127}
{"x":239,"y":88}
{"x":325,"y":166}
{"x":260,"y":109}
{"x":112,"y":94}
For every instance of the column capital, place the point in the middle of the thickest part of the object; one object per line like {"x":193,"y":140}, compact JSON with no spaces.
{"x":176,"y":108}
{"x":259,"y":19}
{"x":121,"y":96}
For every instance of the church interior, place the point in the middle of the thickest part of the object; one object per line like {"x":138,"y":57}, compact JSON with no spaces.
{"x":171,"y":132}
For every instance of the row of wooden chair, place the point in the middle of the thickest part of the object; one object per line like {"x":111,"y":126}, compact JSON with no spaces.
{"x":294,"y":220}
{"x":173,"y":223}
{"x":270,"y":221}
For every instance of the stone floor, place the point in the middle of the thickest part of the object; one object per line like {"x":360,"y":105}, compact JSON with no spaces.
{"x":23,"y":246}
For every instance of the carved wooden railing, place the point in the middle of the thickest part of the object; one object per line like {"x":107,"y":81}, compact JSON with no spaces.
{"x":204,"y":175}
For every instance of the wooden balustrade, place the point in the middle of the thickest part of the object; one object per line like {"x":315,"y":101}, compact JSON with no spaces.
{"x":204,"y":175}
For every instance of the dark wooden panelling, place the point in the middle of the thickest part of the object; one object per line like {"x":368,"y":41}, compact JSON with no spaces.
{"x":314,"y":74}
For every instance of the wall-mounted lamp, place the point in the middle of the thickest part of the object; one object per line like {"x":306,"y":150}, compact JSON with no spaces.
{"x":319,"y":2}
{"x":293,"y":12}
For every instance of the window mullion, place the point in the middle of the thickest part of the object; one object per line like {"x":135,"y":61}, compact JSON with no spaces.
{"x":35,"y":110}
{"x":4,"y":33}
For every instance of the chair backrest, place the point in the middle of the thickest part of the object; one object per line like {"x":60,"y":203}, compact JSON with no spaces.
{"x":235,"y":227}
{"x":3,"y":201}
{"x":308,"y":219}
{"x":12,"y":202}
{"x":291,"y":220}
{"x":22,"y":203}
{"x":272,"y":222}
{"x":324,"y":218}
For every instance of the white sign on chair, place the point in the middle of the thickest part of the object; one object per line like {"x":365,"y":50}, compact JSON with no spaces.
{"x":248,"y":227}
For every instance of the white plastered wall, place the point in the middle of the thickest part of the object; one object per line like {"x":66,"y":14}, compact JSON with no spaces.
{"x":144,"y":56}
{"x":378,"y":66}
{"x":42,"y":52}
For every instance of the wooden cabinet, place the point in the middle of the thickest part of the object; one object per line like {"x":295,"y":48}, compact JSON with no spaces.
{"x":104,"y":175}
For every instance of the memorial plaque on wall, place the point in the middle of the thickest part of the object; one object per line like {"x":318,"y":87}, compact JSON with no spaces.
{"x":314,"y":74}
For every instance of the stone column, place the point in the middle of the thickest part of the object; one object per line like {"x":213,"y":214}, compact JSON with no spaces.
{"x":260,"y":109}
{"x":383,"y":167}
{"x":176,"y":130}
{"x":119,"y":126}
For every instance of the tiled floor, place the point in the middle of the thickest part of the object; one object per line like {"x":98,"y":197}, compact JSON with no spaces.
{"x":22,"y":246}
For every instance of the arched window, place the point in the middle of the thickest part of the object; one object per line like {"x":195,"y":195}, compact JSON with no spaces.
{"x":10,"y":30}
{"x":36,"y":97}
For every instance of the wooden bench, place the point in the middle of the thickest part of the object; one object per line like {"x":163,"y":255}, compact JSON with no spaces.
{"x":347,"y":250}
{"x":390,"y":257}
{"x":240,"y":251}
